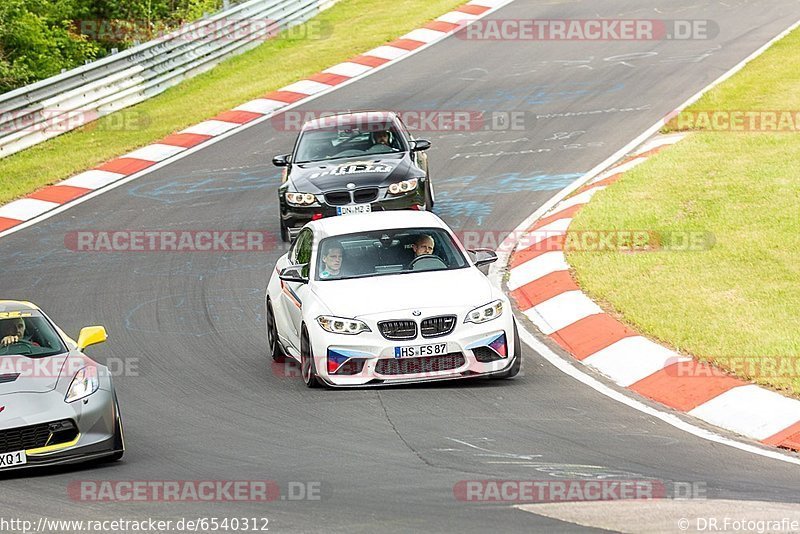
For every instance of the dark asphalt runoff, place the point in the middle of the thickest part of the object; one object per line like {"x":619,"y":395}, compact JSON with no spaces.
{"x":200,"y":399}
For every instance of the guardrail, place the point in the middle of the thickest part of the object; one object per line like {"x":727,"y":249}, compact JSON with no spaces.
{"x":48,"y":108}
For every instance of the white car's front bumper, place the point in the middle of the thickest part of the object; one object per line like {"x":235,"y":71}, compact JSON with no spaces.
{"x":471,"y":350}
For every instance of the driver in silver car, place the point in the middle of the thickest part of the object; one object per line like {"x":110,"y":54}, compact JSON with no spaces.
{"x":12,"y":331}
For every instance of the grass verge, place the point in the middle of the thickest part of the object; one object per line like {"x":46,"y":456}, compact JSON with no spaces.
{"x":736,"y":304}
{"x":356,"y":26}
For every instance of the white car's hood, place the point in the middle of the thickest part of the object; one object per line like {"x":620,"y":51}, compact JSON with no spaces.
{"x":466,"y":288}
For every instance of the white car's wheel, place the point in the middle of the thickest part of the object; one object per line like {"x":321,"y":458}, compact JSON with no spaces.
{"x":307,"y":366}
{"x":272,"y":335}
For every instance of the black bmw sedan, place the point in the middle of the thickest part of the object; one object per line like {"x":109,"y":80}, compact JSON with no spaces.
{"x":354,"y":162}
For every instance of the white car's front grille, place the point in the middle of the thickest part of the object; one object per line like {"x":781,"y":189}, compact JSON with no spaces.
{"x":438,"y":326}
{"x":398,"y":330}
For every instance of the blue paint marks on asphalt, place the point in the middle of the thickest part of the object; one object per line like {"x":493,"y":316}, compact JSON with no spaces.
{"x":510,"y":182}
{"x":474,"y":196}
{"x":183,"y":188}
{"x":452,"y":206}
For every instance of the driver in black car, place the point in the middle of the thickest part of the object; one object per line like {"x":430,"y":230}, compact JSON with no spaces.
{"x":381,"y":142}
{"x":12,"y":331}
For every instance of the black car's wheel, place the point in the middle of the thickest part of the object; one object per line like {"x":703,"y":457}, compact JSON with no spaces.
{"x":307,"y":366}
{"x":515,"y":367}
{"x":428,"y":195}
{"x":284,"y":232}
{"x":275,"y":349}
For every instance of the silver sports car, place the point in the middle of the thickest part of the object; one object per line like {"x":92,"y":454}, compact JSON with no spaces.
{"x":57,"y":406}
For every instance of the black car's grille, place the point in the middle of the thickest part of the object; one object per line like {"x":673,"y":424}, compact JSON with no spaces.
{"x":35,"y":436}
{"x":368,"y":194}
{"x":398,"y":329}
{"x":4,"y":379}
{"x":437,"y":326}
{"x":359,"y":196}
{"x":485,"y":354}
{"x":338,"y":198}
{"x":423,"y":364}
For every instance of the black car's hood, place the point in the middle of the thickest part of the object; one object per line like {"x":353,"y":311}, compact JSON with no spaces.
{"x":364,"y":171}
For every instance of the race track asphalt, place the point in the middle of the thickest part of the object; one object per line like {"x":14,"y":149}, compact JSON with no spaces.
{"x":204,"y":401}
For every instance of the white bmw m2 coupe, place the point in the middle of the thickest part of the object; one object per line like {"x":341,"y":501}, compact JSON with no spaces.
{"x":387,"y":298}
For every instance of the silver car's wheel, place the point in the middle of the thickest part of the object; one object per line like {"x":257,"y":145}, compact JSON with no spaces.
{"x":119,"y":436}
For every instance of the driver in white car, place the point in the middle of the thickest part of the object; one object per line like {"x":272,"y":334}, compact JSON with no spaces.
{"x":423,"y":245}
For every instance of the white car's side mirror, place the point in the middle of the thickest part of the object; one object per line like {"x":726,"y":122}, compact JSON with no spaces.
{"x":483,"y":256}
{"x":295,"y":273}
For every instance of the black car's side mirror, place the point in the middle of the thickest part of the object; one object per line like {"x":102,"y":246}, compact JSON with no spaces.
{"x":483,"y":256}
{"x":420,"y":144}
{"x":282,"y":160}
{"x":295,"y":273}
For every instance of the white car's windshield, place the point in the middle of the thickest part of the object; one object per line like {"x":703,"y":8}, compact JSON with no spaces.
{"x":28,"y":333}
{"x":384,"y":252}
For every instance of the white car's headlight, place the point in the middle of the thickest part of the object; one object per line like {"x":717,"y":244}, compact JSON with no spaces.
{"x":83,"y":384}
{"x":340,"y":325}
{"x":300,"y":199}
{"x":484,"y":313}
{"x":400,"y":188}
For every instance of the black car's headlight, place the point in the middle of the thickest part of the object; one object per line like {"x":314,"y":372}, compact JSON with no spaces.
{"x":484,"y":313}
{"x":300,"y":199}
{"x":401,"y":188}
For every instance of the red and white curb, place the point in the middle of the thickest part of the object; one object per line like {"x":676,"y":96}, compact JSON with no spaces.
{"x":540,"y":283}
{"x":49,"y":198}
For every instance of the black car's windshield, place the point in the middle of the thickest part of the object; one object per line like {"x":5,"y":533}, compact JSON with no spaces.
{"x":383,"y":252}
{"x":28,"y":333}
{"x":347,"y":140}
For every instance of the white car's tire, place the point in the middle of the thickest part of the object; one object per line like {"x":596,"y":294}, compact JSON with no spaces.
{"x":308,"y":368}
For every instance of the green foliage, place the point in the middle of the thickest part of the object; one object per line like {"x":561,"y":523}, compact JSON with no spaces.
{"x":40,"y":38}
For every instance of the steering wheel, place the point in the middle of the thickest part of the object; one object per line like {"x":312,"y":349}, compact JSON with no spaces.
{"x":27,"y":344}
{"x":426,"y":262}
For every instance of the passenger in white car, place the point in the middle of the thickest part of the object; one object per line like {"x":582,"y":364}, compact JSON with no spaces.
{"x":332,"y":261}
